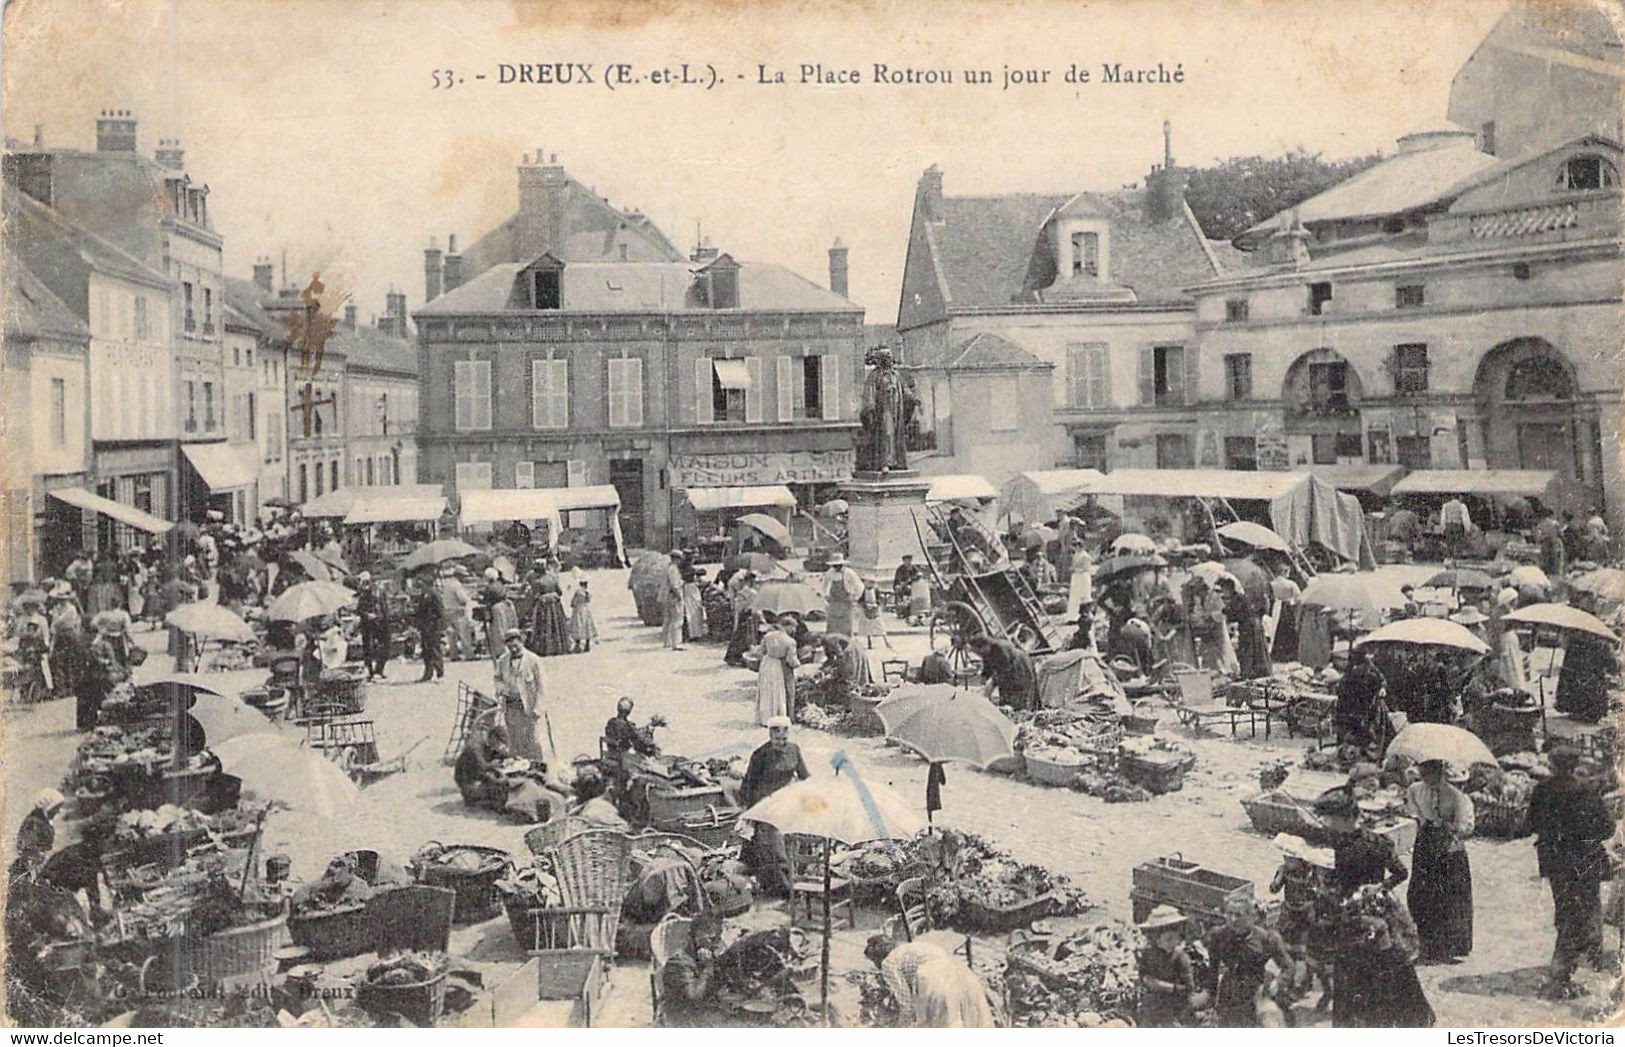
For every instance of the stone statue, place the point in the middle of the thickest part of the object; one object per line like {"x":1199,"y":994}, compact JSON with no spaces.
{"x":889,"y":402}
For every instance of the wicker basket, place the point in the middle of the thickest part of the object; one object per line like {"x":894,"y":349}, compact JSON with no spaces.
{"x":982,"y":916}
{"x":333,"y":935}
{"x":420,"y":1003}
{"x":1054,"y":772}
{"x":476,"y":889}
{"x":241,"y":955}
{"x":594,"y":868}
{"x":1507,"y":821}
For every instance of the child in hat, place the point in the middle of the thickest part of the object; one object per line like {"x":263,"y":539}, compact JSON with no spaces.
{"x":583,"y":630}
{"x":1168,"y":988}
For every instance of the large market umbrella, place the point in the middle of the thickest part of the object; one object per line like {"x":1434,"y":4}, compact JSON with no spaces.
{"x":1426,"y":632}
{"x":1127,"y":564}
{"x":332,"y":558}
{"x":314,"y":569}
{"x":767,"y":526}
{"x":275,"y":767}
{"x":1441,"y":741}
{"x":436,"y":552}
{"x":833,"y":508}
{"x":1255,"y":581}
{"x":210,"y":621}
{"x":845,"y":809}
{"x":1134,"y":542}
{"x":788,"y":597}
{"x":1605,"y":583}
{"x":943,"y":723}
{"x":1562,"y":616}
{"x":1256,"y":535}
{"x":647,"y":580}
{"x":1040,"y":535}
{"x":1212,"y":572}
{"x":1351,"y":592}
{"x":223,"y":719}
{"x":1530,"y":576}
{"x":309,"y":600}
{"x":760,"y":563}
{"x":1460,"y":578}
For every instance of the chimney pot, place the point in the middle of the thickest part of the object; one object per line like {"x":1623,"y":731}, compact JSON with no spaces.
{"x":349,"y":316}
{"x":451,"y":244}
{"x":929,"y":193}
{"x":837,"y":268}
{"x":264,"y":275}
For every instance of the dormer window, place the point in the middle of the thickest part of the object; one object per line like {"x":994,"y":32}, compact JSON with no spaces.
{"x":545,"y":290}
{"x":717,"y":285}
{"x":1587,"y":171}
{"x":1086,"y":254}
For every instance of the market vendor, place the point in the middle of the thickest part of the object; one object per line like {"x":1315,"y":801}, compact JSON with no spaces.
{"x":772,"y":767}
{"x":520,"y":688}
{"x":339,"y":887}
{"x":1008,"y":672}
{"x":622,"y":736}
{"x":593,"y":804}
{"x":845,"y":662}
{"x":36,"y":836}
{"x":689,"y":975}
{"x":484,"y":783}
{"x":1360,"y":716}
{"x":497,"y":611}
{"x":107,"y":667}
{"x":1169,"y":995}
{"x":933,"y":990}
{"x":1583,"y":681}
{"x":373,"y":607}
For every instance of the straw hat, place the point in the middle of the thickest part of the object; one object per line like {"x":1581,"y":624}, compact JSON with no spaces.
{"x":1299,"y":848}
{"x":777,"y":721}
{"x":1161,"y":918}
{"x":835,"y":560}
{"x":1469,"y":616}
{"x":61,"y":591}
{"x":514,"y":634}
{"x":109,"y":623}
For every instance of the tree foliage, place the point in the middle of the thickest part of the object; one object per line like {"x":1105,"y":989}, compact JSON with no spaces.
{"x":1233,"y":195}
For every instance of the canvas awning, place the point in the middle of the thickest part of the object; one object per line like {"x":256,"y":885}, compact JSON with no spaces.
{"x":732,"y":374}
{"x":955,"y":486}
{"x":1527,"y":483}
{"x":714,"y":499}
{"x":1036,"y":496}
{"x":141,"y":520}
{"x":371,"y":510}
{"x":220,"y":465}
{"x":337,"y":504}
{"x":571,"y":499}
{"x":1377,"y":479}
{"x":1232,"y":484}
{"x":506,"y":506}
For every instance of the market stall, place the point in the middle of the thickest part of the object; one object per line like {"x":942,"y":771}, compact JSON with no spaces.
{"x":715,"y":510}
{"x":1038,"y":496}
{"x":592,"y":522}
{"x":393,"y":522}
{"x":336,"y":505}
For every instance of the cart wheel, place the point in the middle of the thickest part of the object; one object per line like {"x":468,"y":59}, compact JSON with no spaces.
{"x":953,"y":626}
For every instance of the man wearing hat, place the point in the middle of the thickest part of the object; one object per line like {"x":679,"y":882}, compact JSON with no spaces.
{"x":430,"y":618}
{"x":772,"y":767}
{"x":1572,"y":827}
{"x":67,"y":639}
{"x":520,"y":687}
{"x":1169,"y":995}
{"x":107,"y":667}
{"x":455,"y":600}
{"x":844,"y":590}
{"x":373,"y":608}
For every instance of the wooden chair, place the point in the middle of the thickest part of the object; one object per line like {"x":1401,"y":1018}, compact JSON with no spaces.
{"x":911,"y":907}
{"x":894,"y":669}
{"x":1198,"y":707}
{"x":669,"y":937}
{"x":806,"y":855}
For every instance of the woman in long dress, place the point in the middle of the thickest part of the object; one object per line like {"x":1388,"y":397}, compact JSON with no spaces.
{"x":1441,"y":886}
{"x":776,"y":679}
{"x":499,"y":613}
{"x":550,"y":628}
{"x":693,"y":603}
{"x":1285,"y":592}
{"x":583,"y":629}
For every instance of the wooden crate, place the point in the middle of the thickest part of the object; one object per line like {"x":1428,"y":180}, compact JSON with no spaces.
{"x":1188,"y":886}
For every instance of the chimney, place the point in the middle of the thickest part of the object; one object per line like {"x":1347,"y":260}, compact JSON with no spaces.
{"x":431,"y":270}
{"x":265,"y":275}
{"x":452,"y":270}
{"x":542,"y":185}
{"x":1165,"y":185}
{"x":928,"y":195}
{"x":837,"y":268}
{"x":115,"y":131}
{"x":1289,"y":245}
{"x":704,"y":252}
{"x":349,"y":317}
{"x":395,"y":309}
{"x":170,"y":154}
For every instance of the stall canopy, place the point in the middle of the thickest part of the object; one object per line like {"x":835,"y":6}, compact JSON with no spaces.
{"x":337,"y":504}
{"x":602,"y":496}
{"x":714,"y":499}
{"x":1375,"y":479}
{"x":957,"y":486}
{"x":220,"y":465}
{"x":1035,"y":497}
{"x":80,"y":498}
{"x":1553,"y":490}
{"x":369,"y":510}
{"x":507,"y":506}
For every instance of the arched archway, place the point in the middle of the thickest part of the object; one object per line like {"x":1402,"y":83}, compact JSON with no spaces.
{"x":1322,"y":393}
{"x":1527,"y":397}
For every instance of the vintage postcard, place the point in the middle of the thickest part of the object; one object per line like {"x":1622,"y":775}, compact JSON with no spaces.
{"x":760,"y":515}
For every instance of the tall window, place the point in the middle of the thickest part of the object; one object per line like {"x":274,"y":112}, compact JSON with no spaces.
{"x":730,"y":388}
{"x":1174,"y":451}
{"x":208,"y":310}
{"x":1004,"y":404}
{"x":1319,"y":295}
{"x":190,"y":389}
{"x":471,"y":382}
{"x":550,"y":394}
{"x":208,"y":407}
{"x":321,"y":477}
{"x":1163,"y":379}
{"x":1089,"y":451}
{"x":1086,"y":254}
{"x":547,"y":289}
{"x":1410,"y":364}
{"x":304,"y":484}
{"x":370,"y":475}
{"x":1087,"y":378}
{"x":59,"y":411}
{"x":626,"y":392}
{"x":1238,"y":376}
{"x":333,"y":473}
{"x":1328,"y":386}
{"x":812,"y":387}
{"x":141,"y":332}
{"x":186,"y":295}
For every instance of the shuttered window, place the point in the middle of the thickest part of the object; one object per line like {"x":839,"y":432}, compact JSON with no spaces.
{"x":785,"y":387}
{"x":703,"y":391}
{"x":831,"y":393}
{"x":1086,"y":376}
{"x":471,"y":476}
{"x":524,"y":475}
{"x":550,"y":394}
{"x":626,"y":392}
{"x":471,"y":393}
{"x":753,"y":391}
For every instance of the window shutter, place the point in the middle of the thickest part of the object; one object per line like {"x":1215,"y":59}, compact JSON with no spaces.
{"x":830,"y":364}
{"x":702,"y":391}
{"x":1193,"y":375}
{"x":617,"y":396}
{"x":634,"y":391}
{"x":1174,"y":376}
{"x":1100,"y":394}
{"x":524,"y":474}
{"x":459,"y":394}
{"x":1148,"y":376}
{"x":539,"y":376}
{"x":753,"y":392}
{"x":786,"y":388}
{"x":558,"y":390}
{"x":482,"y":393}
{"x":575,"y":472}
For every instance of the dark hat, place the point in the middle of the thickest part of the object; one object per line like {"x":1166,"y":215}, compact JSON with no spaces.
{"x":1337,"y":801}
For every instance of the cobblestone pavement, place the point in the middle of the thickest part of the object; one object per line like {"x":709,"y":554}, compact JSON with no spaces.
{"x":710,"y":708}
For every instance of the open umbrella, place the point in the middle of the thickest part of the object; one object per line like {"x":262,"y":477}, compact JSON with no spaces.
{"x":1426,"y":632}
{"x":1256,"y":535}
{"x":1562,"y":616}
{"x":845,"y":809}
{"x":223,"y":719}
{"x":1128,"y":563}
{"x":781,"y":597}
{"x":1212,"y":572}
{"x":1528,"y":576}
{"x":1031,"y":536}
{"x":275,"y":767}
{"x":1351,"y":592}
{"x":436,"y":552}
{"x":767,"y":526}
{"x":1134,"y":543}
{"x":210,"y":621}
{"x":332,"y":558}
{"x":944,"y":723}
{"x":1605,"y":583}
{"x":761,"y":563}
{"x":309,"y":600}
{"x":314,"y":569}
{"x":1460,"y":578}
{"x":1441,"y":741}
{"x":833,"y":508}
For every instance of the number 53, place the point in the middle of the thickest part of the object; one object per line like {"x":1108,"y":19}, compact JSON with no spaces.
{"x":444,"y":79}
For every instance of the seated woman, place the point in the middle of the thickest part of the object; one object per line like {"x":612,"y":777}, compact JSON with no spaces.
{"x":593,"y":804}
{"x":845,"y":662}
{"x":485,"y":784}
{"x":339,"y":887}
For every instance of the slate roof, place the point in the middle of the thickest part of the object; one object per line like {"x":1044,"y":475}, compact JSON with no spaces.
{"x":1579,"y":28}
{"x":988,"y":351}
{"x":371,"y":348}
{"x":43,"y":226}
{"x":32,"y":311}
{"x":622,"y":287}
{"x":246,"y":297}
{"x":984,"y":245}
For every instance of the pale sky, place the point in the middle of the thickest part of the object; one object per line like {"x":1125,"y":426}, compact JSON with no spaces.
{"x":316,"y":125}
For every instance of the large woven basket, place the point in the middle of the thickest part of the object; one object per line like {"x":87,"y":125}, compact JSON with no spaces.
{"x":476,"y":889}
{"x":239,"y":956}
{"x":333,"y":935}
{"x":1054,"y":772}
{"x":1494,"y":818}
{"x":420,"y":1003}
{"x":594,"y":868}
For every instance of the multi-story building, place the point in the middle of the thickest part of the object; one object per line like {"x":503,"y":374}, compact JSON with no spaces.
{"x":264,"y":395}
{"x":381,"y":389}
{"x":1053,"y":328}
{"x":130,"y":491}
{"x":46,"y":422}
{"x":573,"y":347}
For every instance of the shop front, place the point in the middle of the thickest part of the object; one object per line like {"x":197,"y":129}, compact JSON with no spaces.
{"x":219,"y":478}
{"x":137,"y":474}
{"x":710,"y":489}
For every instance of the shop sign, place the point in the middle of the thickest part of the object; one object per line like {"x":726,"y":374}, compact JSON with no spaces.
{"x":760,"y":468}
{"x":1272,"y":452}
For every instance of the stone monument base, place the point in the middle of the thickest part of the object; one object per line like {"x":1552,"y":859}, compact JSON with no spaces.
{"x":880,"y":522}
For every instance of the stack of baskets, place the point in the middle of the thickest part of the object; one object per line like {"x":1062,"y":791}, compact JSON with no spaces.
{"x":471,"y":872}
{"x":594,"y":871}
{"x":240,"y":956}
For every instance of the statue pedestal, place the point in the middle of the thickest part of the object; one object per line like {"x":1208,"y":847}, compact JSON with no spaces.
{"x":880,"y":522}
